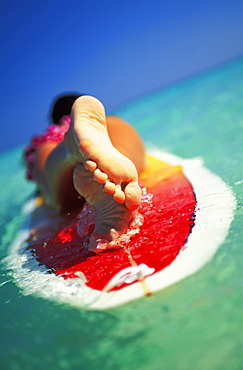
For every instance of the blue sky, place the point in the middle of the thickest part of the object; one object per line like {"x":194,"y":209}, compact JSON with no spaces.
{"x":115,"y":50}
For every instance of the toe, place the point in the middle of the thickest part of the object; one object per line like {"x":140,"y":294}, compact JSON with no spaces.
{"x":119,"y":195}
{"x":97,"y":245}
{"x":133,"y":195}
{"x":100,"y":176}
{"x":90,"y":165}
{"x":109,"y":187}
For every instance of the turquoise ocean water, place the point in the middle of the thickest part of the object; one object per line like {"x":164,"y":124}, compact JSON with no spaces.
{"x":196,"y":323}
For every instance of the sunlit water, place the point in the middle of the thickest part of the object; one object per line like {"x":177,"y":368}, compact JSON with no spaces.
{"x":195,"y":323}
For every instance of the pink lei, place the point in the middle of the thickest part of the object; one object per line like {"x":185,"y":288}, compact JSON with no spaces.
{"x":54,"y":134}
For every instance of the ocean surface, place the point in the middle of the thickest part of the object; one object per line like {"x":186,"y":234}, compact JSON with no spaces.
{"x":196,"y":323}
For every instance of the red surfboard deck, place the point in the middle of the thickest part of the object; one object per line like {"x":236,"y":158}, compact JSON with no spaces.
{"x":168,"y":217}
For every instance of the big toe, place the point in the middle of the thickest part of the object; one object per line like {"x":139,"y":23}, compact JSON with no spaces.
{"x":133,"y":195}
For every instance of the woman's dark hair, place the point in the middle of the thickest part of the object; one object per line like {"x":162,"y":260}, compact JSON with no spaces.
{"x":62,"y":106}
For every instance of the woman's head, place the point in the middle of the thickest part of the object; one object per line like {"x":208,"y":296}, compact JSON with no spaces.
{"x":62,"y":106}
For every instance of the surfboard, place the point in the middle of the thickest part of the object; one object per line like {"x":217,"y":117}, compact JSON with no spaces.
{"x":172,"y":237}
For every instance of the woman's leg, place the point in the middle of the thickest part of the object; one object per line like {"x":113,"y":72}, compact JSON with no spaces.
{"x":104,"y":175}
{"x":126,"y":139}
{"x":55,"y":180}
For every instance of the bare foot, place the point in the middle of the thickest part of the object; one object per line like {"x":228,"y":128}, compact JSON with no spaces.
{"x":107,"y":179}
{"x":112,"y":218}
